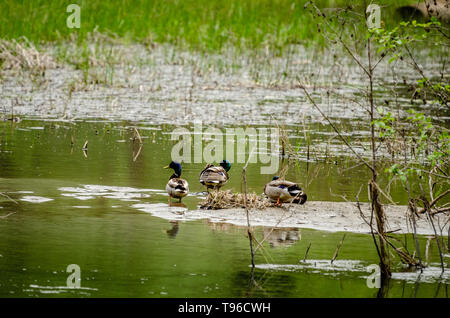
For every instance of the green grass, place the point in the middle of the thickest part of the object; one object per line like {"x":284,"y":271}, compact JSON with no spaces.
{"x":199,"y":24}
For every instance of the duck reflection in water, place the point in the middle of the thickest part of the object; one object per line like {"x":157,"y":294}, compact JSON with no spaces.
{"x":177,"y":204}
{"x":172,"y":232}
{"x":281,"y":236}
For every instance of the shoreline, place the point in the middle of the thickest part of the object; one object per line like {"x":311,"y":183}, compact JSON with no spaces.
{"x":318,"y":215}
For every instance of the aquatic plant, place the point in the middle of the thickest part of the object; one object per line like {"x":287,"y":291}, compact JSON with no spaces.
{"x":198,"y":24}
{"x":367,"y":50}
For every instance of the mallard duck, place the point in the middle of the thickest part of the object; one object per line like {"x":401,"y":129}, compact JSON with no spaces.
{"x":176,"y":187}
{"x":284,"y":191}
{"x":215,"y":176}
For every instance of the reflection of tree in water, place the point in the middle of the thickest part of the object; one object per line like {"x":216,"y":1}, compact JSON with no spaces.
{"x":172,"y":233}
{"x":281,"y":236}
{"x":257,"y":283}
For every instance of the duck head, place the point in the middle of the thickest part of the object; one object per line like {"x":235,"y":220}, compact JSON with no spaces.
{"x":301,"y":198}
{"x":275,"y":178}
{"x":176,"y":166}
{"x":225,"y":164}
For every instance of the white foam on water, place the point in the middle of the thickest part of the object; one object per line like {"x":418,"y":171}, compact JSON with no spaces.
{"x":101,"y":188}
{"x":147,"y":128}
{"x":171,"y":213}
{"x":60,"y":288}
{"x":126,"y":195}
{"x":51,"y":291}
{"x":91,"y":191}
{"x":82,"y":206}
{"x":79,"y":197}
{"x":431,"y":274}
{"x":35,"y":199}
{"x":319,"y":266}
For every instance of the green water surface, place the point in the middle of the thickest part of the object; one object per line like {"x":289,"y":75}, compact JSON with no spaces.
{"x":124,"y":252}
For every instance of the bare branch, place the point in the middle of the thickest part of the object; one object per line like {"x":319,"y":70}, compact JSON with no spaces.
{"x":334,"y":128}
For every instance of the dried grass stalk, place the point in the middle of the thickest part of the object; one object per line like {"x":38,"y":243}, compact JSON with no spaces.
{"x":22,"y":55}
{"x":226,"y":200}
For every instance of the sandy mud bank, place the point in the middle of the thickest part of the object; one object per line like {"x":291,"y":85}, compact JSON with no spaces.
{"x":319,"y":215}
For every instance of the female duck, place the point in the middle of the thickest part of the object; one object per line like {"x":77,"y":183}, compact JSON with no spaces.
{"x":284,"y":191}
{"x":215,"y":177}
{"x":176,"y":187}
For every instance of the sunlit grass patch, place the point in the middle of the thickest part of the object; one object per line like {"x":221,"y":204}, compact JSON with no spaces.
{"x":198,"y":24}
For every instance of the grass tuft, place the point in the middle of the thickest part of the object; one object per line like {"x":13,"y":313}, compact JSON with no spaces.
{"x":21,"y":55}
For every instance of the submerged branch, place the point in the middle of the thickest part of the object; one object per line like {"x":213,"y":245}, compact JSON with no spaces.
{"x":5,"y":216}
{"x":8,"y":197}
{"x":336,"y":252}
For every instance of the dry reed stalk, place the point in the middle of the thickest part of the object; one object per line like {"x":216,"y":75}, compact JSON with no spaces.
{"x":284,"y":169}
{"x":138,"y":135}
{"x":23,"y":55}
{"x":85,"y":148}
{"x":286,"y":147}
{"x":137,"y":154}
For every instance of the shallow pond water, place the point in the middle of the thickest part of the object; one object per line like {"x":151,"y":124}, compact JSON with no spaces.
{"x":64,"y":206}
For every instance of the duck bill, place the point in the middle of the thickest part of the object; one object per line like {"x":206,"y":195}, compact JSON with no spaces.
{"x":166,"y":167}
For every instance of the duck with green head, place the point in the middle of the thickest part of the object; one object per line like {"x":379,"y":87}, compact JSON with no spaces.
{"x":279,"y":190}
{"x":176,"y":187}
{"x":214,"y":177}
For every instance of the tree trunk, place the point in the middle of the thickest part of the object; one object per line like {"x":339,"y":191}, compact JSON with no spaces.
{"x":380,"y":218}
